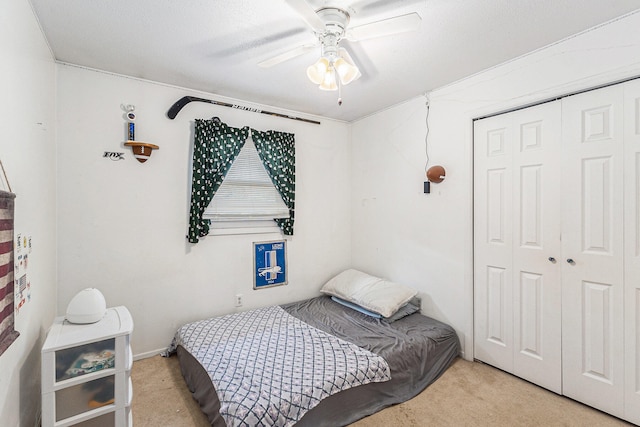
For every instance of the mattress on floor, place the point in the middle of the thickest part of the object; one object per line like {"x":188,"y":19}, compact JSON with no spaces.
{"x":417,"y":349}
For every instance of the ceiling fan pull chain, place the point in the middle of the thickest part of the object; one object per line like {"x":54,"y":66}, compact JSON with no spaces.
{"x":339,"y":91}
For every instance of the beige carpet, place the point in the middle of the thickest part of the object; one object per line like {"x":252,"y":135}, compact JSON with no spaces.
{"x":468,"y":394}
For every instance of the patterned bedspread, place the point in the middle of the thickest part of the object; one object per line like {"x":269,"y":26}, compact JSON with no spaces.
{"x":270,"y":368}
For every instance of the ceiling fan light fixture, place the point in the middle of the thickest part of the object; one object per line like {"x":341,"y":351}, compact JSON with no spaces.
{"x":318,"y":71}
{"x":336,"y":68}
{"x":324,"y":71}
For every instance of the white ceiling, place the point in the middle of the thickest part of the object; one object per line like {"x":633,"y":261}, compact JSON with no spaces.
{"x":215,"y":45}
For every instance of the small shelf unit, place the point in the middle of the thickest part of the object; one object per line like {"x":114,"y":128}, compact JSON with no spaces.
{"x":86,"y":372}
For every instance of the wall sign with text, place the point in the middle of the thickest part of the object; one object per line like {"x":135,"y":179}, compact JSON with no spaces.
{"x":269,"y":264}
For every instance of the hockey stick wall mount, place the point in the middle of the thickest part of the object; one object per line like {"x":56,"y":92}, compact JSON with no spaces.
{"x":182,"y":102}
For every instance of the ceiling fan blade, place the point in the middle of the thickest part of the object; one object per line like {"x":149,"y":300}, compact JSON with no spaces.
{"x":285,"y":56}
{"x":385,"y":27}
{"x":308,"y":13}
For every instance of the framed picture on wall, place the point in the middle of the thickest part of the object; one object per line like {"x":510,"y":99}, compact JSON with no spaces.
{"x":269,"y":264}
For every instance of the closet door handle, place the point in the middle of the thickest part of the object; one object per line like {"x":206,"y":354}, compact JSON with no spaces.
{"x":571,"y":261}
{"x":552,"y":259}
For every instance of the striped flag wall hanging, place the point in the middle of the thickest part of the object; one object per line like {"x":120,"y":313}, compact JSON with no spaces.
{"x":7,"y":332}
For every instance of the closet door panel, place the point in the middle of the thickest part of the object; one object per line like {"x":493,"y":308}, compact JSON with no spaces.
{"x":517,"y":232}
{"x":632,"y":250}
{"x":536,"y":210}
{"x":592,"y":226}
{"x":493,"y":294}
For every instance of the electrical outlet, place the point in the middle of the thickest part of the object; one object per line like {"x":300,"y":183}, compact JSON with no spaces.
{"x":238,"y":300}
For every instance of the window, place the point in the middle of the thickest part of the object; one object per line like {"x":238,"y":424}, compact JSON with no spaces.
{"x":247,"y":200}
{"x":215,"y":149}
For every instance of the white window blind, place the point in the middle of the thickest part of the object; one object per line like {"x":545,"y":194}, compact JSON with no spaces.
{"x":247,"y":193}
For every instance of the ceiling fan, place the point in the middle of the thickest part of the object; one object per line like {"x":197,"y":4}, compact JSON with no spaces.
{"x":335,"y":66}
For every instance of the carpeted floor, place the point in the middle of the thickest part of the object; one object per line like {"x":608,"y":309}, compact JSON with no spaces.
{"x":467,"y":394}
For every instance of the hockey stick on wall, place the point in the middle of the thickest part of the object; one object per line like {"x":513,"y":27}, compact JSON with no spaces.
{"x":180,"y":103}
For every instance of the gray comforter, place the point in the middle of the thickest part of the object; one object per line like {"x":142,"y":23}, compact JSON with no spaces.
{"x":418,"y":350}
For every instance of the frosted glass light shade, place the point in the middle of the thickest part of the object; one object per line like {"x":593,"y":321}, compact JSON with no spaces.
{"x":346,"y":71}
{"x":346,"y":68}
{"x":318,"y":71}
{"x":329,"y":82}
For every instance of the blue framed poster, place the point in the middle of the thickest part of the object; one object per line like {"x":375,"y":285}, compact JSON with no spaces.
{"x":269,"y":264}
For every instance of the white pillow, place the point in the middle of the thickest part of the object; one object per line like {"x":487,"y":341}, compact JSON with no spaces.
{"x":370,"y":292}
{"x":347,"y":283}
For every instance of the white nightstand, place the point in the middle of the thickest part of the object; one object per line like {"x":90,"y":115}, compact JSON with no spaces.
{"x":86,"y":372}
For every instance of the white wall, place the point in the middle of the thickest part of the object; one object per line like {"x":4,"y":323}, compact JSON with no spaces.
{"x":27,"y":150}
{"x":398,"y":231}
{"x":122,"y":224}
{"x":426,"y":240}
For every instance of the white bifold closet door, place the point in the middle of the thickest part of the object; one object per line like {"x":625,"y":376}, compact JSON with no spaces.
{"x":517,"y":243}
{"x":593,"y":248}
{"x":557,"y":246}
{"x":632,"y":250}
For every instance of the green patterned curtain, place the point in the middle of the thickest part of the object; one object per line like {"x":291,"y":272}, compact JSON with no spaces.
{"x":215,"y":147}
{"x":278,"y":154}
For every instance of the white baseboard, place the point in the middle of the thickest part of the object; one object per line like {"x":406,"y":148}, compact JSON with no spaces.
{"x":148,"y":354}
